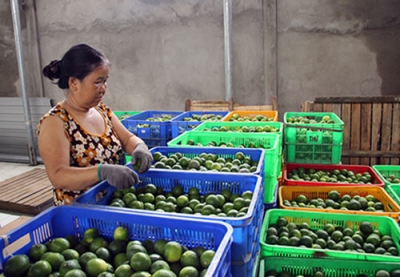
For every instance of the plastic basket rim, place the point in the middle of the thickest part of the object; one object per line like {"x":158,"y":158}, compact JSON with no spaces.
{"x":234,"y":123}
{"x":226,"y":238}
{"x":328,"y":216}
{"x":393,"y":214}
{"x":337,"y":118}
{"x":213,"y":149}
{"x":344,"y":166}
{"x":246,"y":135}
{"x":246,"y":217}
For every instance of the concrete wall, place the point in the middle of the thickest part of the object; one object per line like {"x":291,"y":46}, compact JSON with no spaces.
{"x":163,"y":51}
{"x":337,"y":48}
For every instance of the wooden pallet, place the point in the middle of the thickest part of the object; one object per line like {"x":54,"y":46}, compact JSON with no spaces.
{"x":371,"y":127}
{"x":27,"y":193}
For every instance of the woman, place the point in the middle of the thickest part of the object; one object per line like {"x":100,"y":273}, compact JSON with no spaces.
{"x":80,"y":140}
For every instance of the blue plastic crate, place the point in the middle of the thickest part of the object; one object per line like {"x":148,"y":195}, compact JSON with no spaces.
{"x":245,"y":229}
{"x":267,"y":141}
{"x":69,"y":220}
{"x":179,"y":126}
{"x":155,"y":133}
{"x":274,"y":203}
{"x":191,"y":152}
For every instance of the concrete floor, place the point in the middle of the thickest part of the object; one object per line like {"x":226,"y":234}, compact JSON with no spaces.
{"x":8,"y":170}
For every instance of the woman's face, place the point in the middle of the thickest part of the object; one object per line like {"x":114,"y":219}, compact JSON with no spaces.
{"x":93,"y":87}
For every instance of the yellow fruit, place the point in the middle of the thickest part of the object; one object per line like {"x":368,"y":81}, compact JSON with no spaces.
{"x":164,"y":273}
{"x":189,"y":271}
{"x":172,"y":251}
{"x":123,"y":270}
{"x":96,"y":266}
{"x":90,"y":234}
{"x":121,"y":233}
{"x":17,"y":265}
{"x":58,"y":245}
{"x":206,"y":258}
{"x":75,"y":273}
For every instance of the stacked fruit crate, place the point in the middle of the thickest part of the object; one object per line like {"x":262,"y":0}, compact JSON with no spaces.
{"x":89,"y":241}
{"x":190,"y":120}
{"x":390,"y":174}
{"x":195,"y":195}
{"x":330,"y":214}
{"x":153,"y":126}
{"x":243,"y":129}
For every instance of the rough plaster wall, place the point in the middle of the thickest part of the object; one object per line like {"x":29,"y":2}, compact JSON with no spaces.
{"x":8,"y":62}
{"x":161,"y":51}
{"x":337,"y":48}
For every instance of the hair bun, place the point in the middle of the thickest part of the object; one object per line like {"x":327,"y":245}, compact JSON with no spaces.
{"x":52,"y":70}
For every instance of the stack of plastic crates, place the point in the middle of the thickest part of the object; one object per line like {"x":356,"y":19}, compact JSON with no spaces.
{"x":190,"y":120}
{"x":390,"y":174}
{"x":322,"y":267}
{"x":153,"y":127}
{"x":268,"y":141}
{"x":64,"y":221}
{"x":306,"y":256}
{"x":314,"y":140}
{"x":246,"y":229}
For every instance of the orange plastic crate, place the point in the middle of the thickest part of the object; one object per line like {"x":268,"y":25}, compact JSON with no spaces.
{"x":391,"y":208}
{"x":251,"y":114}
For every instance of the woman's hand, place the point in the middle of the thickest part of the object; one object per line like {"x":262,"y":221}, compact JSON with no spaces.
{"x":118,"y":176}
{"x":143,"y":156}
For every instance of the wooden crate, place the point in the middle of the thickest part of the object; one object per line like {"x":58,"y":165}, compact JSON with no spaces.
{"x":371,"y":127}
{"x":221,"y":105}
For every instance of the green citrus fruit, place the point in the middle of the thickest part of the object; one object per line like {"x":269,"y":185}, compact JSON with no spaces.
{"x":41,"y":268}
{"x":123,"y":270}
{"x":75,"y":273}
{"x":96,"y":266}
{"x":172,"y":251}
{"x":58,"y":245}
{"x":17,"y":265}
{"x":36,"y":251}
{"x":140,"y":261}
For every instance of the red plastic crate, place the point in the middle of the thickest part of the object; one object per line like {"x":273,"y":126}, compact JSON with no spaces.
{"x":376,"y":180}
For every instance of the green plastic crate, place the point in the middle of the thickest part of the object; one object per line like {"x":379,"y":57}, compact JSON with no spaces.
{"x":316,"y":220}
{"x":384,"y":171}
{"x":313,"y":142}
{"x":125,"y":114}
{"x":394,"y":191}
{"x":268,"y":141}
{"x":329,"y":267}
{"x":232,"y":126}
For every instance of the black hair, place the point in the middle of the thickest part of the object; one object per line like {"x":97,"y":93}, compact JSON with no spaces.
{"x":79,"y":61}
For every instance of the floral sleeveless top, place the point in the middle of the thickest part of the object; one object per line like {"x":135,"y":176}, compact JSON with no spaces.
{"x":86,"y":149}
